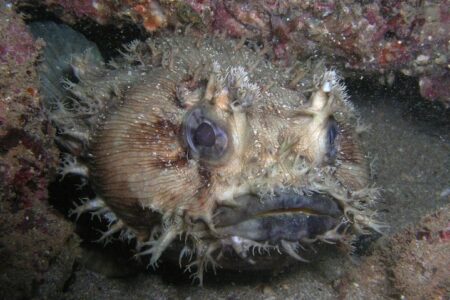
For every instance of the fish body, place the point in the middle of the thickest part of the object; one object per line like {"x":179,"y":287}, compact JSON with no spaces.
{"x":201,"y":148}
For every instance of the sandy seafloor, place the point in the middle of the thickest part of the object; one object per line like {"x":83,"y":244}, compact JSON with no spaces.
{"x":409,"y":143}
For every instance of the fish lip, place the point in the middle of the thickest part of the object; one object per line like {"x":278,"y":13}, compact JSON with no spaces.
{"x":280,"y":202}
{"x":284,"y":215}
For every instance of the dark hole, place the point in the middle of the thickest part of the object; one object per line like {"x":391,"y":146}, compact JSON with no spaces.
{"x":389,"y":35}
{"x":109,"y":37}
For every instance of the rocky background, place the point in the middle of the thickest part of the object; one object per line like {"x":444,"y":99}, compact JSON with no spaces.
{"x":32,"y":234}
{"x":382,"y":37}
{"x":40,"y":255}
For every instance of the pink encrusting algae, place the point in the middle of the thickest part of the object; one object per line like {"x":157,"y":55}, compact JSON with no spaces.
{"x":377,"y":38}
{"x":31,"y":234}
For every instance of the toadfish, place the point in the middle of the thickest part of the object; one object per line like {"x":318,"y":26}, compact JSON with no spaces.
{"x":199,"y":148}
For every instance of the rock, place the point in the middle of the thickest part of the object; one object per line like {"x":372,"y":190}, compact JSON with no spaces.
{"x":32,"y":234}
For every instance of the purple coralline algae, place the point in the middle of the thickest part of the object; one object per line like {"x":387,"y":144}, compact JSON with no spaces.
{"x":31,"y":233}
{"x":382,"y":38}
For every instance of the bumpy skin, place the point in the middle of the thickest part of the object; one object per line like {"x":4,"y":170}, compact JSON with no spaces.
{"x":197,"y":145}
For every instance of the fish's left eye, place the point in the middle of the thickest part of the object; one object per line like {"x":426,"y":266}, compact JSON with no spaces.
{"x":332,"y":133}
{"x":205,"y":138}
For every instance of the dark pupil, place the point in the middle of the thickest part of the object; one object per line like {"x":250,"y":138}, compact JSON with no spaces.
{"x":204,"y":135}
{"x":332,"y":135}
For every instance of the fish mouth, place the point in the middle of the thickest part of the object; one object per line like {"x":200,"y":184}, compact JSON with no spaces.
{"x":283,"y":216}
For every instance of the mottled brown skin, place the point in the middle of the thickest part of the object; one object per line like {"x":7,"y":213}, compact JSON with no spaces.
{"x":163,"y":176}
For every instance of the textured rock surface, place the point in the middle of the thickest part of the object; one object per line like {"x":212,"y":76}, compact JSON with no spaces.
{"x":382,"y":37}
{"x":32,"y":234}
{"x":415,"y":257}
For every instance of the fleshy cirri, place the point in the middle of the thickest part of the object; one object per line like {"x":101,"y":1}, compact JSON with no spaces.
{"x":201,"y":150}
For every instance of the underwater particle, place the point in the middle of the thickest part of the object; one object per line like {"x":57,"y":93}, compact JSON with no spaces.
{"x":209,"y":158}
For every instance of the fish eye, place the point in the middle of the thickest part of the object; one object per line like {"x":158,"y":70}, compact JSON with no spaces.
{"x":205,"y":137}
{"x":332,"y":133}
